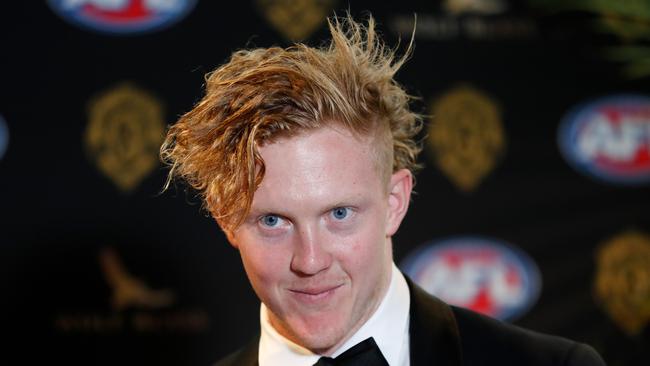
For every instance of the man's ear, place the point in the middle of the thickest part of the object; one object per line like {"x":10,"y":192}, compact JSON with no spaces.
{"x":230,"y":235}
{"x":231,"y":238}
{"x":399,"y":196}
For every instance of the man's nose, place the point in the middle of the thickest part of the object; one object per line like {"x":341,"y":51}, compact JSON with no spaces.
{"x":310,"y":254}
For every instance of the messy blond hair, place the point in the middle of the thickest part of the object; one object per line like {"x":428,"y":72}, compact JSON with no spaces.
{"x":262,"y":94}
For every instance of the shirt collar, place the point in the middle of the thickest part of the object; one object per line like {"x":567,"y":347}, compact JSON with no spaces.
{"x":391,"y":315}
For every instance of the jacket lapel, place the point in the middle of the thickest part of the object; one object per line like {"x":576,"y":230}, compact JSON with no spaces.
{"x":245,"y":356}
{"x":433,"y":331}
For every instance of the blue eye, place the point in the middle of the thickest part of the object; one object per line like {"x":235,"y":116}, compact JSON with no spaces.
{"x":270,"y":220}
{"x":340,"y":213}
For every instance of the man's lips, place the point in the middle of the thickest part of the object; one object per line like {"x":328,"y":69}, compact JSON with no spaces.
{"x":314,"y":294}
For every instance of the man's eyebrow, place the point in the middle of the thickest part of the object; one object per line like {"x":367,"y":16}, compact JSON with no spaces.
{"x":345,"y":203}
{"x":254,"y":212}
{"x":356,"y":201}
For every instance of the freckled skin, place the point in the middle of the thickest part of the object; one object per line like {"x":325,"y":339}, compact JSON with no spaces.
{"x":316,"y":245}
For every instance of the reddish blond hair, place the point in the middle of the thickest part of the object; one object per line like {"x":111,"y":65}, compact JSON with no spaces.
{"x":262,"y":94}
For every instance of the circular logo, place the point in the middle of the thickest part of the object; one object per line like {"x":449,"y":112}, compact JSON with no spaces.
{"x":481,"y":274}
{"x":4,"y":137}
{"x":609,"y":139}
{"x":122,"y":16}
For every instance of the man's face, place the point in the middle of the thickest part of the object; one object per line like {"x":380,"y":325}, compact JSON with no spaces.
{"x":316,"y":245}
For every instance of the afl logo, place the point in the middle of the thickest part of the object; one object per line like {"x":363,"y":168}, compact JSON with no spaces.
{"x":122,"y":16}
{"x":477,"y":273}
{"x":609,"y":139}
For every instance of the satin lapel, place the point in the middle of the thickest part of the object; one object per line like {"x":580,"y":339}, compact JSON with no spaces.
{"x":433,"y":331}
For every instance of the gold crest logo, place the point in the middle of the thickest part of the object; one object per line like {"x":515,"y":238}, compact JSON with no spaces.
{"x":296,"y":19}
{"x":466,"y":136}
{"x":622,"y":282}
{"x":124,"y":134}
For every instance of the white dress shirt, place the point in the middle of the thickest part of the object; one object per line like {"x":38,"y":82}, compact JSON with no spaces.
{"x":389,"y":326}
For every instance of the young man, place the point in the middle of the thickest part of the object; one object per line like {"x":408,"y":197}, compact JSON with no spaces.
{"x":305,"y":158}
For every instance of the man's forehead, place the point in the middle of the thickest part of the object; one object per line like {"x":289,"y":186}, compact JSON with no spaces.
{"x":323,"y":165}
{"x":325,"y":147}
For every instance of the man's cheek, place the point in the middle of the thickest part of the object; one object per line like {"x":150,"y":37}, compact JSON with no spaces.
{"x":268,"y":266}
{"x":255,"y":267}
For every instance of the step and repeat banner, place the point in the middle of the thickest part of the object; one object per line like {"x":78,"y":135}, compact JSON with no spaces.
{"x":533,"y":205}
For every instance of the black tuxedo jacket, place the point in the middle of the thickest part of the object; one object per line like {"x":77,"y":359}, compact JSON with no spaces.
{"x":443,"y":335}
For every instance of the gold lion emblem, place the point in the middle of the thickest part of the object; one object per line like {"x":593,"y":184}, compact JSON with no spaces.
{"x":466,"y":136}
{"x":296,"y":19}
{"x":124,"y":134}
{"x":622,"y":282}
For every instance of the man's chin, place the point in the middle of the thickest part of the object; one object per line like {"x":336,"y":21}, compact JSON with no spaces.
{"x":322,"y":343}
{"x":321,"y":334}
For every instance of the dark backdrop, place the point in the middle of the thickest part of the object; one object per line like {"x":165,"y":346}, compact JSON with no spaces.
{"x":71,"y":232}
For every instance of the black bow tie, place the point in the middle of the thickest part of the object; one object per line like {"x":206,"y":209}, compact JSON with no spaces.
{"x":365,"y":353}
